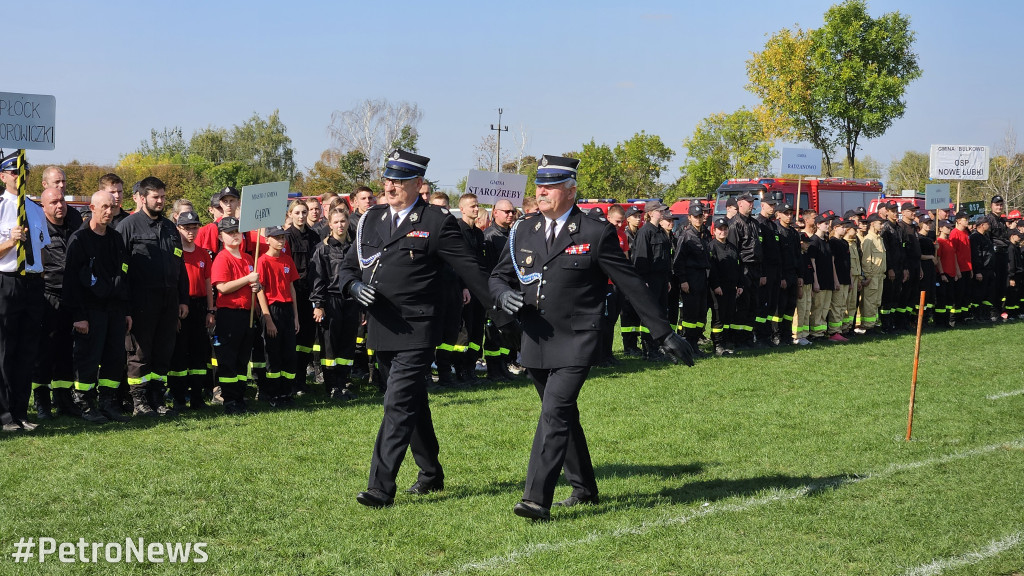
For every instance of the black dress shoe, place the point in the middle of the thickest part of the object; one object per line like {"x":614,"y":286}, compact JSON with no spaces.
{"x":421,"y":488}
{"x":28,"y":426}
{"x":374,"y":499}
{"x":531,"y":510}
{"x":574,"y":500}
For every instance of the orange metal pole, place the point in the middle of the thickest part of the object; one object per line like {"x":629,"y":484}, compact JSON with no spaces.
{"x":917,"y":357}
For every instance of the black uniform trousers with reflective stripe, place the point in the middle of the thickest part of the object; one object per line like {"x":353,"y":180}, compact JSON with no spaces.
{"x":191,"y":350}
{"x":306,"y":337}
{"x":695,"y":305}
{"x":407,"y":422}
{"x":338,"y":334}
{"x":55,"y":369}
{"x":154,"y":327}
{"x":21,"y":310}
{"x":559,"y":442}
{"x":99,"y":355}
{"x":768,"y":303}
{"x":280,"y":351}
{"x":235,"y":338}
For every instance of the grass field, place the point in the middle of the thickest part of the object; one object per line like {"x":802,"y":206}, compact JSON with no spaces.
{"x":791,"y":462}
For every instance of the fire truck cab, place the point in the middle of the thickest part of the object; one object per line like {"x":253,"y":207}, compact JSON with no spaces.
{"x":818,"y":194}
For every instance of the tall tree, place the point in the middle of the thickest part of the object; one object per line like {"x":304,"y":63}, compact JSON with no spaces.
{"x":845,"y":81}
{"x":722,"y":146}
{"x":598,"y":175}
{"x":866,"y":167}
{"x":264,"y":144}
{"x":642,"y":159}
{"x":1006,"y":171}
{"x":910,"y":172}
{"x":373,"y":127}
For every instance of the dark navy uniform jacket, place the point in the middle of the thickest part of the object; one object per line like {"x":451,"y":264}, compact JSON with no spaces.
{"x":407,"y":274}
{"x":565,"y":309}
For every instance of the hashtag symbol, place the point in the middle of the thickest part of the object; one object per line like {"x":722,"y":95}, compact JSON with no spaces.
{"x":23,"y":550}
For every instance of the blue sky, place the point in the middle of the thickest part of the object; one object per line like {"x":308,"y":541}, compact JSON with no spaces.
{"x":565,"y":72}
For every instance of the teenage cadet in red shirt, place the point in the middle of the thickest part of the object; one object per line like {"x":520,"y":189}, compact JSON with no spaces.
{"x":187,"y":376}
{"x":948,"y":274}
{"x":228,"y":202}
{"x":234,"y":278}
{"x":960,"y":237}
{"x":280,"y":317}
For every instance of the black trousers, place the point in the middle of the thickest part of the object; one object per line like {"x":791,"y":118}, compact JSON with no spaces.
{"x":154,"y":328}
{"x":695,"y":305}
{"x":629,"y":325}
{"x":611,"y":313}
{"x":891,"y":290}
{"x":99,"y":355}
{"x":910,"y":299}
{"x":338,"y":335}
{"x":723,"y":317}
{"x":559,"y":442}
{"x":191,"y":347}
{"x":407,"y":422}
{"x":945,"y":304}
{"x":658,"y":283}
{"x":21,"y":310}
{"x":747,"y":304}
{"x":235,"y":338}
{"x":768,"y":303}
{"x":280,"y":351}
{"x":786,"y":308}
{"x":306,"y":337}
{"x":56,"y":369}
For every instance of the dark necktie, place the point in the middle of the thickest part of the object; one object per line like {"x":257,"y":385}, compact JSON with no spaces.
{"x":26,"y":243}
{"x":394,"y":223}
{"x":551,"y":233}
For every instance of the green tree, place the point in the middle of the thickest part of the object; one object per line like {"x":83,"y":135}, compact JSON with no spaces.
{"x":722,"y":146}
{"x":837,"y":84}
{"x":642,"y":159}
{"x":265,"y":146}
{"x":910,"y":172}
{"x":866,"y":167}
{"x":599,"y":174}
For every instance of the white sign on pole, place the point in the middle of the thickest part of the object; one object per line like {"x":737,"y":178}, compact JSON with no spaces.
{"x":26,"y":121}
{"x":490,"y":187}
{"x":936,"y":196}
{"x":263,"y":205}
{"x":804,"y":161}
{"x":954,"y":162}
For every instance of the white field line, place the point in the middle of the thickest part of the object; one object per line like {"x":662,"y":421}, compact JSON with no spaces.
{"x":994,"y":548}
{"x":1002,"y":395}
{"x":709,"y":509}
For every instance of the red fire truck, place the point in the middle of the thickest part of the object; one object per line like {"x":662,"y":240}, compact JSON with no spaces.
{"x":818,"y":194}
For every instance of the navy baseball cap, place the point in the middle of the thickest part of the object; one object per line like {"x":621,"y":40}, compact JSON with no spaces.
{"x":721,"y":222}
{"x":745,"y":196}
{"x":402,"y":165}
{"x":229,"y":191}
{"x":556,"y":169}
{"x":186,"y":218}
{"x":275,"y":231}
{"x":696,"y":209}
{"x":633,"y":211}
{"x":227,"y":224}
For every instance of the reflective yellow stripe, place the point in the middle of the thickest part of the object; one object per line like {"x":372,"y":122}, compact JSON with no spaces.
{"x":178,"y":373}
{"x":84,"y":386}
{"x":474,"y":346}
{"x":504,"y":351}
{"x":316,"y":347}
{"x":131,"y":381}
{"x":305,"y":349}
{"x":107,"y":383}
{"x":61,"y":384}
{"x":288,"y":375}
{"x":197,"y":372}
{"x":360,"y":340}
{"x":491,"y":353}
{"x":457,"y":348}
{"x":629,"y":329}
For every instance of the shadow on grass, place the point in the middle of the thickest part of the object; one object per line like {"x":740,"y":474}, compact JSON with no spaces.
{"x":660,"y":470}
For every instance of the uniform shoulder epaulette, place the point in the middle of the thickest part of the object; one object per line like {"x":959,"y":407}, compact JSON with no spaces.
{"x":530,"y":215}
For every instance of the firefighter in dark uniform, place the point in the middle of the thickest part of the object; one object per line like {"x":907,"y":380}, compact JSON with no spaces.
{"x":652,"y":257}
{"x":394,"y":271}
{"x":95,"y":293}
{"x":473,"y":319}
{"x":302,"y":241}
{"x":1000,"y":235}
{"x":892,"y":238}
{"x":910,"y":296}
{"x":789,"y":279}
{"x":725,"y":278}
{"x":745,"y":237}
{"x":629,"y":324}
{"x":691,"y":267}
{"x":336,"y":313}
{"x":55,"y":371}
{"x":158,"y":285}
{"x":766,"y":321}
{"x":559,"y":263}
{"x":497,"y":352}
{"x":983,"y":268}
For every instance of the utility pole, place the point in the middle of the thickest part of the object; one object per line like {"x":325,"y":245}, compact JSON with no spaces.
{"x":500,"y":129}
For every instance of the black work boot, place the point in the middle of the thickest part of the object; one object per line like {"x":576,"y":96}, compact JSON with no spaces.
{"x":110,"y":406}
{"x":140,"y":401}
{"x":43,"y":404}
{"x":85,"y":400}
{"x":157,"y":398}
{"x":494,"y":370}
{"x":65,"y":403}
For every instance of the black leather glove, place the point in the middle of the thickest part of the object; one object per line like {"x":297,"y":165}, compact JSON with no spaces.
{"x":363,"y":294}
{"x":677,"y":348}
{"x":510,"y":301}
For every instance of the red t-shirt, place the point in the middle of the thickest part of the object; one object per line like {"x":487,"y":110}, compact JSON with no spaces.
{"x":962,"y":245}
{"x":947,"y":255}
{"x":227,"y":268}
{"x":276,"y":276}
{"x":209,"y":237}
{"x":198,"y":264}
